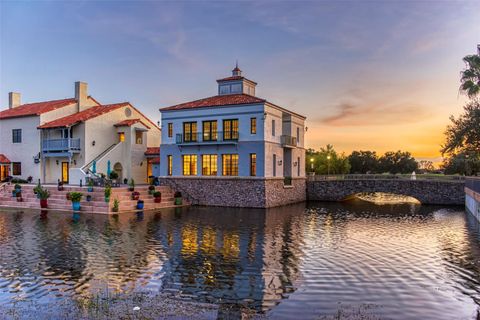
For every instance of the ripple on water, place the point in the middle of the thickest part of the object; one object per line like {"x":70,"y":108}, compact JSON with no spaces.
{"x":385,"y":261}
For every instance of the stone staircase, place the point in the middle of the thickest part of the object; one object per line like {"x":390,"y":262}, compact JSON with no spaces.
{"x":59,"y":202}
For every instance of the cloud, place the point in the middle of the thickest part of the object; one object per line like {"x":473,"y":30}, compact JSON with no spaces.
{"x":350,"y":114}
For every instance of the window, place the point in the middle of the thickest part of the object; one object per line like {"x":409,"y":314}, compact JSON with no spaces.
{"x":209,"y":164}
{"x":230,"y":129}
{"x":274,"y":165}
{"x":169,"y":165}
{"x":189,"y":131}
{"x":139,"y":137}
{"x":170,"y":129}
{"x":224,"y":89}
{"x":121,"y":136}
{"x":17,"y":168}
{"x":273,"y":128}
{"x":298,"y":134}
{"x":298,"y":166}
{"x":17,"y":135}
{"x":253,"y":164}
{"x":230,"y":164}
{"x":210,"y":130}
{"x":253,"y":125}
{"x":189,"y":164}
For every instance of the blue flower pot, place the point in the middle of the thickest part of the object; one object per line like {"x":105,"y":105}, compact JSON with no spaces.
{"x":140,"y":205}
{"x":14,"y":193}
{"x":76,"y":206}
{"x":90,"y":189}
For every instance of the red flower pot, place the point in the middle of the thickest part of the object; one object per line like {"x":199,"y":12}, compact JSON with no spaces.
{"x":158,"y":200}
{"x":44,"y":203}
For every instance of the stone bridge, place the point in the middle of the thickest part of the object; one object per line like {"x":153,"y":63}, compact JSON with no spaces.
{"x":441,"y":190}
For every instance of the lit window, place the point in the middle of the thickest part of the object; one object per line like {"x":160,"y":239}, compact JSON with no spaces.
{"x":210,"y":130}
{"x":17,"y":168}
{"x":170,"y":130}
{"x":139,"y":137}
{"x":209,"y":164}
{"x":121,"y":136}
{"x":230,"y":129}
{"x":189,"y":165}
{"x":230,"y":164}
{"x":253,"y":125}
{"x":169,"y":165}
{"x":189,"y":131}
{"x":17,"y":135}
{"x":253,"y":164}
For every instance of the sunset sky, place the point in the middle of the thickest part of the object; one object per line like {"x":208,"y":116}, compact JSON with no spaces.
{"x":373,"y":75}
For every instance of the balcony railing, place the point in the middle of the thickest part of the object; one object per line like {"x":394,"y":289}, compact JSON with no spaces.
{"x":207,"y":138}
{"x":60,"y":145}
{"x":288,"y":141}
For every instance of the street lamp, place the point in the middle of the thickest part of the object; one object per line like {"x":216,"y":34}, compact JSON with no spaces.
{"x":311,"y":163}
{"x":328,"y":165}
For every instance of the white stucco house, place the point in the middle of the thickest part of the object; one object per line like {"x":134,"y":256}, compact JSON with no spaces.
{"x":230,"y":136}
{"x":60,"y":140}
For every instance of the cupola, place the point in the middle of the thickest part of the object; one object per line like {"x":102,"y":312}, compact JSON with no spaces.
{"x":236,"y":84}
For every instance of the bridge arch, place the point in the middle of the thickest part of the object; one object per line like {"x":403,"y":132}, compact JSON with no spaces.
{"x":425,"y":191}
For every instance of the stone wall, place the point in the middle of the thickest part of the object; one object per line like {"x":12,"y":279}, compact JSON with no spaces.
{"x":238,"y":192}
{"x":426,"y":191}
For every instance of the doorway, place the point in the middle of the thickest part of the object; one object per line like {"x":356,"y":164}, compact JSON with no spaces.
{"x":4,"y":171}
{"x":65,"y":169}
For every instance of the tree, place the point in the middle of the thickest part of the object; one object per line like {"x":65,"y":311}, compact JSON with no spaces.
{"x":426,"y":166}
{"x":327,"y":161}
{"x":463,"y":134}
{"x":397,"y":162}
{"x":465,"y":163}
{"x":363,"y":162}
{"x":470,"y":78}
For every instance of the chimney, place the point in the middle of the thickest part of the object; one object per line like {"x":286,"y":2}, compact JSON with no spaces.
{"x":13,"y":100}
{"x":81,"y":95}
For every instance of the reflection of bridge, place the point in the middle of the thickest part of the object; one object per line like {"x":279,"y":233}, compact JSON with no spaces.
{"x":428,"y":189}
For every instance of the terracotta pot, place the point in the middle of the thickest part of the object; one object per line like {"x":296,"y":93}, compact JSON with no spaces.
{"x":157,"y":200}
{"x":43,"y":203}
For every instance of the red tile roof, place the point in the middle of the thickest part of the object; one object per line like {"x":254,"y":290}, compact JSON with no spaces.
{"x":217,"y":101}
{"x":130,"y":122}
{"x":232,"y":78}
{"x":152,"y":151}
{"x":82,"y":116}
{"x":37,"y":108}
{"x":4,"y":159}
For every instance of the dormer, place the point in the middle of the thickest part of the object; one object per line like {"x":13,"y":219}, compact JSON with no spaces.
{"x":236,"y":84}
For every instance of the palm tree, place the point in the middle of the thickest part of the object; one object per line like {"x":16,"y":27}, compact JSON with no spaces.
{"x":471,"y":75}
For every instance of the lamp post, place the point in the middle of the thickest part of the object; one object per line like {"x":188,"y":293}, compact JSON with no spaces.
{"x":311,"y":164}
{"x":328,"y":165}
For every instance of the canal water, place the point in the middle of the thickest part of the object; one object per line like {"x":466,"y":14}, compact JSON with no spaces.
{"x":308,"y":261}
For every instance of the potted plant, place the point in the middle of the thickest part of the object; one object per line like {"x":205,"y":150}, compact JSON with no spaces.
{"x":18,"y":187}
{"x":43,"y":195}
{"x":90,"y":185}
{"x":113,"y":175}
{"x":29,"y":179}
{"x":157,"y":195}
{"x":140,"y":204}
{"x":37,"y":189}
{"x":89,"y":197}
{"x":132,"y":185}
{"x":108,"y":193}
{"x":19,"y":199}
{"x":18,"y":194}
{"x":76,"y":197}
{"x":151,"y":189}
{"x":116,"y":204}
{"x":60,"y":186}
{"x":135,"y":195}
{"x":178,"y":197}
{"x":14,"y":193}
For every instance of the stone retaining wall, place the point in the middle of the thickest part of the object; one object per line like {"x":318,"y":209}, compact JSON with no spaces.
{"x":426,"y":191}
{"x":238,"y":192}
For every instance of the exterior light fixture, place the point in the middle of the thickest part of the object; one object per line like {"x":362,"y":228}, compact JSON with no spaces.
{"x":56,"y":162}
{"x":93,"y":143}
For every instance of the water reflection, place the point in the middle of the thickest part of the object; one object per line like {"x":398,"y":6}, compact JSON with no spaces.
{"x":308,"y":260}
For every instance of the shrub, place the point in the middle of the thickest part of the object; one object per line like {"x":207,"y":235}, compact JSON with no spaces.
{"x":116,"y":204}
{"x":157,"y":194}
{"x":76,"y":196}
{"x":132,"y":183}
{"x":113,"y":175}
{"x":108,"y":191}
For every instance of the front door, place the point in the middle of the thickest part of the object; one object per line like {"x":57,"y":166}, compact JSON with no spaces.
{"x":3,"y":172}
{"x":149,"y":169}
{"x":65,"y":168}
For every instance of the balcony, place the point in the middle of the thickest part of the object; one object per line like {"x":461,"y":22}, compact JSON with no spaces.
{"x":198,"y":138}
{"x":60,"y":147}
{"x":288,"y":141}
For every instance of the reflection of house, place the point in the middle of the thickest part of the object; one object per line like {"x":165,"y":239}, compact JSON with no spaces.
{"x":234,"y":144}
{"x":61,"y":139}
